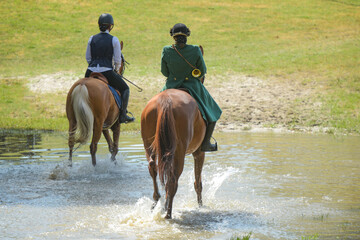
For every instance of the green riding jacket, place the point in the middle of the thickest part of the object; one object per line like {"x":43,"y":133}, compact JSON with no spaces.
{"x":178,"y":73}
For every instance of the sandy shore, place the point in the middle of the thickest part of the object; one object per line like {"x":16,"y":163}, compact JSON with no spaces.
{"x":248,"y":103}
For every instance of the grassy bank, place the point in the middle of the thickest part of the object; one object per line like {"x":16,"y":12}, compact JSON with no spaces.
{"x":23,"y":109}
{"x":304,"y":42}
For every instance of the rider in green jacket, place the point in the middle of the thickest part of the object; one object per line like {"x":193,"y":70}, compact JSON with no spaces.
{"x":178,"y":62}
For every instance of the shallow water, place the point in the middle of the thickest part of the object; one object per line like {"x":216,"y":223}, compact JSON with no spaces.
{"x":276,"y":186}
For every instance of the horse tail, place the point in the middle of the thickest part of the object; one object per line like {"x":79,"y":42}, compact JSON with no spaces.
{"x":83,"y":113}
{"x":164,"y":144}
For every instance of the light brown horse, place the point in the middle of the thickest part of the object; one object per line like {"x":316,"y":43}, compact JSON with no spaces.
{"x":171,"y":127}
{"x":91,"y":109}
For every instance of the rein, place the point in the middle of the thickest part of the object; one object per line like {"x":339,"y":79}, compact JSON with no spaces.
{"x":139,"y":88}
{"x":101,"y":77}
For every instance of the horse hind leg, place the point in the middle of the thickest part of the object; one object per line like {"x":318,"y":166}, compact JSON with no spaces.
{"x":153,"y":174}
{"x":108,"y":139}
{"x":110,"y":144}
{"x":71,"y":140}
{"x":171,"y":188}
{"x":116,"y":135}
{"x":199,"y":158}
{"x":95,"y":139}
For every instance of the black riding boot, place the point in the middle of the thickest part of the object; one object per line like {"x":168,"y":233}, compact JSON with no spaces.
{"x":124,"y":118}
{"x":206,"y":145}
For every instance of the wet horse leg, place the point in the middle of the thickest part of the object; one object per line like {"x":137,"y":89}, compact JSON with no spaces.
{"x":153,"y":174}
{"x":95,"y":139}
{"x":172,"y":182}
{"x":71,"y":140}
{"x":199,"y":157}
{"x":113,"y":145}
{"x":171,"y":188}
{"x":108,"y":139}
{"x":116,"y":135}
{"x":110,"y":144}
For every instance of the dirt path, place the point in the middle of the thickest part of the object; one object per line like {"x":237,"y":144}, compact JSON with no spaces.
{"x":248,"y":103}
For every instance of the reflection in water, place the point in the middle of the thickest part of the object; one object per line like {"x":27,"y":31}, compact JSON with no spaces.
{"x":277,"y":186}
{"x":17,"y":144}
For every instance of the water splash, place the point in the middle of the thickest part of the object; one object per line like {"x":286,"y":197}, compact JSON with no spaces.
{"x":59,"y":173}
{"x":217,"y":180}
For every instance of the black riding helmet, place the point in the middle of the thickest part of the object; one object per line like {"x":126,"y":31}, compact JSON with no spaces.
{"x":180,"y":29}
{"x":105,"y":20}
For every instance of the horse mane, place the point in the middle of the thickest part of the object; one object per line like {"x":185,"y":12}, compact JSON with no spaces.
{"x":164,"y":144}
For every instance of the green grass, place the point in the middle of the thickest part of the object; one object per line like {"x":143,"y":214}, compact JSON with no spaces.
{"x":257,"y":37}
{"x":22,"y":109}
{"x":246,"y":237}
{"x":313,"y":237}
{"x":294,"y":41}
{"x":343,"y":100}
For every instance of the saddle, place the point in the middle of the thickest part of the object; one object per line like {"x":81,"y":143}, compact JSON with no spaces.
{"x":99,"y":76}
{"x":116,"y":93}
{"x":185,"y":90}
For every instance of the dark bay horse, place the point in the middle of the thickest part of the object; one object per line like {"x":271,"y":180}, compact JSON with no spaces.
{"x":91,"y":109}
{"x":171,"y":127}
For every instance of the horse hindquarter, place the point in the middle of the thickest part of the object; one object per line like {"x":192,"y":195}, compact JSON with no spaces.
{"x":167,"y":128}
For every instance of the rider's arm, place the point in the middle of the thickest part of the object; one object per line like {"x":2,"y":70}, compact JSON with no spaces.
{"x":117,"y":53}
{"x":88,"y":51}
{"x":164,"y":67}
{"x":200,"y":63}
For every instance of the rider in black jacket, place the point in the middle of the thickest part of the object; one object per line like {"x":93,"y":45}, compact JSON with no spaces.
{"x":102,"y":50}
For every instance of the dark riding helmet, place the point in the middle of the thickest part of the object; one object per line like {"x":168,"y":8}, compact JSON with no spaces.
{"x":105,"y":20}
{"x":180,"y":29}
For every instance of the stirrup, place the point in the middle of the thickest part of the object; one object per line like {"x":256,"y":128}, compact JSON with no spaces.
{"x":210,"y":147}
{"x":132,"y":116}
{"x":127,"y":119}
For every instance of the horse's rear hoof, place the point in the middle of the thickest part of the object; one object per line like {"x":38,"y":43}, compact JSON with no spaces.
{"x":153,"y":205}
{"x":168,"y":216}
